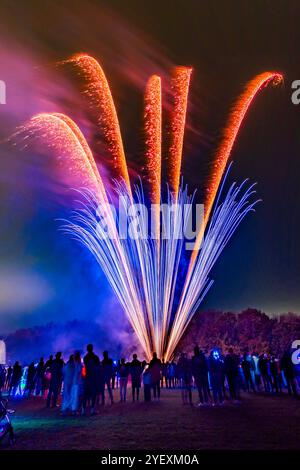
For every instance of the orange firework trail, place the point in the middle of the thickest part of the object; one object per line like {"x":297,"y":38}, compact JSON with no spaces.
{"x":152,"y":118}
{"x":82,"y":141}
{"x":180,"y":88}
{"x":100,"y":95}
{"x":230,"y":133}
{"x":64,"y":137}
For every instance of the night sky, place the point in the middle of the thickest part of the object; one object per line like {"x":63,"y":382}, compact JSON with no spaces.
{"x":46,"y":277}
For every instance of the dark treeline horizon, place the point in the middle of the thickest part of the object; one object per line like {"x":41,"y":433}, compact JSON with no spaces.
{"x":251,"y":330}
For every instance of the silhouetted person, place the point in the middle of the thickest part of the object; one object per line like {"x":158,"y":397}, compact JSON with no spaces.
{"x":155,"y":373}
{"x":91,"y":363}
{"x":123,"y":373}
{"x":275,"y":374}
{"x":147,"y":384}
{"x":56,"y":371}
{"x":15,"y":378}
{"x":184,"y":371}
{"x":39,"y":376}
{"x":77,"y":386}
{"x":47,"y":374}
{"x":49,"y":361}
{"x":68,"y":378}
{"x":257,"y":373}
{"x":164,"y":369}
{"x":264,"y":366}
{"x":30,"y":379}
{"x":247,"y":368}
{"x":114,"y":379}
{"x":216,"y":373}
{"x":100,"y":384}
{"x":200,"y":374}
{"x":287,"y":367}
{"x":231,"y":367}
{"x":171,"y":374}
{"x":136,"y":373}
{"x":107,"y":364}
{"x":117,"y":366}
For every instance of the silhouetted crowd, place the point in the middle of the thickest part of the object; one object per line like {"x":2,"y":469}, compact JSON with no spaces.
{"x":80,"y":384}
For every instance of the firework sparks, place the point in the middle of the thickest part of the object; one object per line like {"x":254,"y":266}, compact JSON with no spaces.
{"x":180,"y":88}
{"x":230,"y":133}
{"x":82,"y":142}
{"x":148,"y":313}
{"x":64,"y":138}
{"x":223,"y":223}
{"x":99,"y":94}
{"x":152,"y":117}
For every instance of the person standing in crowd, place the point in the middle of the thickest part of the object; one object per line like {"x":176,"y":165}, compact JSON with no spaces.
{"x":77,"y":385}
{"x":184,"y":371}
{"x":47,"y":375}
{"x":287,"y":366}
{"x":216,"y":373}
{"x":123,"y":374}
{"x":155,"y":373}
{"x":147,"y":384}
{"x":48,"y":363}
{"x":114,"y":376}
{"x":15,"y":379}
{"x":231,"y":367}
{"x":68,"y":379}
{"x":200,"y":374}
{"x":164,"y":367}
{"x":257,"y":375}
{"x":100,"y":384}
{"x":30,"y":380}
{"x":247,"y":367}
{"x":91,"y":362}
{"x":117,"y":372}
{"x":107,"y":364}
{"x":135,"y":372}
{"x":275,"y":374}
{"x":56,"y":371}
{"x":171,"y":374}
{"x":39,"y":376}
{"x":296,"y":372}
{"x":264,"y":366}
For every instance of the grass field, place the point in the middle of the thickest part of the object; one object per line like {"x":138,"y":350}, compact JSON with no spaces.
{"x":259,"y":422}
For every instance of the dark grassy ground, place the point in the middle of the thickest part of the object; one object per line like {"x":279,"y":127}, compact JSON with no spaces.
{"x":260,"y":422}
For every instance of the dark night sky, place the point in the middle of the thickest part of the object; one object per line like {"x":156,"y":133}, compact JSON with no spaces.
{"x":44,"y":276}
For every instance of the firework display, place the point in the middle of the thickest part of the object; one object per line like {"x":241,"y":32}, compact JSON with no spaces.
{"x":145,"y":270}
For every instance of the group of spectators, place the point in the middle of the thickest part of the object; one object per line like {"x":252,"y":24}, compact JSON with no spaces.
{"x":214,"y":375}
{"x":84,"y":383}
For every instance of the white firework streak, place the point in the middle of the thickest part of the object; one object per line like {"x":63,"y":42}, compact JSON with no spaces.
{"x":224,"y":221}
{"x":143,"y":271}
